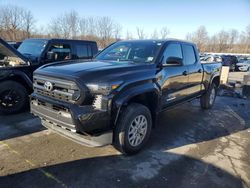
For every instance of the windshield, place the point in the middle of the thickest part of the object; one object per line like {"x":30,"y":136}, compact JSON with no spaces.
{"x":32,"y":47}
{"x":136,"y":51}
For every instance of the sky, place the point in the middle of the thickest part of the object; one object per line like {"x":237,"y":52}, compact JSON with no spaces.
{"x":180,"y":16}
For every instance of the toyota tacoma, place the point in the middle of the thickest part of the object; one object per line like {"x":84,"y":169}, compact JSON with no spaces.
{"x":117,"y":97}
{"x":17,"y":66}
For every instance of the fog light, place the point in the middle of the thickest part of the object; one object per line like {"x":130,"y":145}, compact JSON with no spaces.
{"x":76,"y":95}
{"x":35,"y":103}
{"x":65,"y":114}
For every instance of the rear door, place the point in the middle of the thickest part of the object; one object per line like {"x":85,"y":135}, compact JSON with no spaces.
{"x":83,"y":50}
{"x":195,"y":70}
{"x":174,"y":78}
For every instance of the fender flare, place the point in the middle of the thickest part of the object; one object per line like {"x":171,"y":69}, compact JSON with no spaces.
{"x":128,"y":94}
{"x":14,"y":73}
{"x":213,"y":76}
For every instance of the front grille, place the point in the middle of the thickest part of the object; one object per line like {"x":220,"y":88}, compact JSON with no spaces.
{"x":59,"y":89}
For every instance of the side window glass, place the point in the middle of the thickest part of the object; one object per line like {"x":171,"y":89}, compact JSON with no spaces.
{"x":83,"y":51}
{"x":61,"y":51}
{"x":172,"y":50}
{"x":189,"y":54}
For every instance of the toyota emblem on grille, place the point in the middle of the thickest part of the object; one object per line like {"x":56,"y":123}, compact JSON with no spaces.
{"x":48,"y":86}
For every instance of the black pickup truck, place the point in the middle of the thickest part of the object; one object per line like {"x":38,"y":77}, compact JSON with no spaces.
{"x":17,"y":66}
{"x":117,"y":97}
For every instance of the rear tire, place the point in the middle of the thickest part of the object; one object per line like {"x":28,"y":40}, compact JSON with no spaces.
{"x":133,"y":129}
{"x":13,"y":97}
{"x":207,"y":100}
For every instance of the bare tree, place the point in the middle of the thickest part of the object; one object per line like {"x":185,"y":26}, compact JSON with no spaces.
{"x":200,"y":37}
{"x":155,"y":34}
{"x":233,"y":37}
{"x":245,"y":40}
{"x":164,"y":32}
{"x":73,"y":20}
{"x":140,"y":33}
{"x":16,"y":23}
{"x":28,"y":23}
{"x":117,"y":31}
{"x":129,"y":35}
{"x":83,"y":27}
{"x":65,"y":26}
{"x":223,"y":40}
{"x":105,"y":28}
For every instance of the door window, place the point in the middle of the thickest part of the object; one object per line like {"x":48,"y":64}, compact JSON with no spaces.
{"x":62,"y":51}
{"x":172,"y":50}
{"x":189,"y":54}
{"x":83,"y":51}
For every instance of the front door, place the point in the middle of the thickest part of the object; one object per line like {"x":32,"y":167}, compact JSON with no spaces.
{"x":174,"y":78}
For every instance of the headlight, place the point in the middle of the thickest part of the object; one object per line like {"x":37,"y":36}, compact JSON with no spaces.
{"x":103,"y":89}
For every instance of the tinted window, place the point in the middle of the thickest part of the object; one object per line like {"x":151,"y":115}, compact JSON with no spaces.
{"x":62,"y":51}
{"x":189,"y":54}
{"x":172,"y":50}
{"x":83,"y":51}
{"x":32,"y":47}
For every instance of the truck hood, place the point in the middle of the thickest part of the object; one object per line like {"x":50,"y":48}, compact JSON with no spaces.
{"x":97,"y":71}
{"x":10,"y":57}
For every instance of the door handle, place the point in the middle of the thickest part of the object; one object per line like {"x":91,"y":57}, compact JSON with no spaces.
{"x":199,"y":71}
{"x":185,"y":73}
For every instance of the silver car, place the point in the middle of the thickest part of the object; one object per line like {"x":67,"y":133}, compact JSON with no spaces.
{"x":244,"y":66}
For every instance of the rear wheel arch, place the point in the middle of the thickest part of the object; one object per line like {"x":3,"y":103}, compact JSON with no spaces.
{"x":216,"y":81}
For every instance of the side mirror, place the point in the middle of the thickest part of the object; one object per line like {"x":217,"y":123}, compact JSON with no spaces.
{"x":174,"y":61}
{"x":51,"y":56}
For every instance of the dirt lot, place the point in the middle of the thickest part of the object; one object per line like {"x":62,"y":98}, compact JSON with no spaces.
{"x":189,"y":148}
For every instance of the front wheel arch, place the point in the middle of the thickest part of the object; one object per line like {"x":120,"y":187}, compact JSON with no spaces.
{"x":148,"y":98}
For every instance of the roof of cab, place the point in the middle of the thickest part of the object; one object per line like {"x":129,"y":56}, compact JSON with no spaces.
{"x":159,"y":40}
{"x":59,"y":39}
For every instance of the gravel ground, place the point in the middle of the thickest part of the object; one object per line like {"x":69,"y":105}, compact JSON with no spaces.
{"x":189,"y":148}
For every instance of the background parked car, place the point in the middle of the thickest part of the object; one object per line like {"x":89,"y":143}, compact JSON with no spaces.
{"x":229,"y":60}
{"x":244,"y":65}
{"x":211,"y":58}
{"x":17,"y":66}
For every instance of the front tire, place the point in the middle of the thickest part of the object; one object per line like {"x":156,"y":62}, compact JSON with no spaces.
{"x":13,"y":97}
{"x":207,"y":100}
{"x":133,"y":129}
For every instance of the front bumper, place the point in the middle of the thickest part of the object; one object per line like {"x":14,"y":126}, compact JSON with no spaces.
{"x":83,"y":124}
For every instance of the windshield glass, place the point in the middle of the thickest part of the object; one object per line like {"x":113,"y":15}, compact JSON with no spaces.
{"x":32,"y":47}
{"x":136,"y":51}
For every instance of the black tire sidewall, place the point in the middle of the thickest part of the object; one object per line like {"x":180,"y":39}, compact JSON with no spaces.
{"x":128,"y":115}
{"x":205,"y":99}
{"x":20,"y":90}
{"x":213,"y":87}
